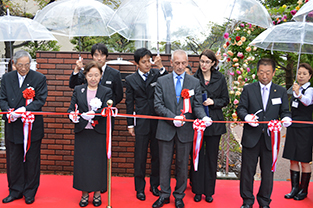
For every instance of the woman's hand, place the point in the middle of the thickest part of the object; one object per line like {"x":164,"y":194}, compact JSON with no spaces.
{"x":79,"y":65}
{"x":296,"y":88}
{"x":208,"y":101}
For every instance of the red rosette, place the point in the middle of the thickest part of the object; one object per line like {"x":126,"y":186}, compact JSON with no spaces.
{"x":29,"y":93}
{"x":185,"y":93}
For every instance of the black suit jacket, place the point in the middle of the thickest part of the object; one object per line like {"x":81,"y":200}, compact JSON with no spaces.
{"x":11,"y":96}
{"x":251,"y":101}
{"x":140,"y":97}
{"x":111,"y":78}
{"x":165,"y":104}
{"x":80,"y":98}
{"x":218,"y":92}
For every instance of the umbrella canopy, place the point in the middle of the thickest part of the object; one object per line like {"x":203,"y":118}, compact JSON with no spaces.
{"x":305,"y":13}
{"x":159,"y":20}
{"x":289,"y":37}
{"x":76,"y":18}
{"x":13,"y":28}
{"x":250,"y":11}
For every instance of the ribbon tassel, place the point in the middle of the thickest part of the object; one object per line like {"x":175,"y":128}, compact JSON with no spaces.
{"x":28,"y":119}
{"x":275,"y":127}
{"x":199,"y":127}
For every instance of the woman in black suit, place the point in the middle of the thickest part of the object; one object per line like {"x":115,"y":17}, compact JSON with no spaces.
{"x":213,"y":84}
{"x":90,"y":162}
{"x":298,"y":145}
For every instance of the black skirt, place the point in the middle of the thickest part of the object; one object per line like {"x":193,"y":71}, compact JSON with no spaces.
{"x":298,"y":145}
{"x":90,"y":161}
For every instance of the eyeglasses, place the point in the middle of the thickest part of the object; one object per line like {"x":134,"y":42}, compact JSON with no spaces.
{"x":205,"y":62}
{"x":26,"y":66}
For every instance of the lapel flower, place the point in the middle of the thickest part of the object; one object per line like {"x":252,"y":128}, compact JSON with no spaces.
{"x":82,"y":90}
{"x":185,"y":93}
{"x":29,"y":93}
{"x":95,"y":103}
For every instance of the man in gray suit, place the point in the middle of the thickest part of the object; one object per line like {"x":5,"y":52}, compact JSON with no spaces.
{"x":169,"y":103}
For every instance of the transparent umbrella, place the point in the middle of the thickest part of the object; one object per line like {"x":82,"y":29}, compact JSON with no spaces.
{"x":159,"y":20}
{"x":13,"y":28}
{"x":305,"y":14}
{"x":289,"y":37}
{"x":74,"y":18}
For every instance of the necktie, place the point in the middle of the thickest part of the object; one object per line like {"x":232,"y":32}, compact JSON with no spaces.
{"x":178,"y":88}
{"x":21,"y":80}
{"x":146,"y":76}
{"x":265,"y":97}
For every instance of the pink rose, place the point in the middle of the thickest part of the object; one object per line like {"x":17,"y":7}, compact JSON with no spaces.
{"x":226,"y":35}
{"x":242,"y":25}
{"x":248,"y":69}
{"x":236,"y":101}
{"x":232,"y":73}
{"x":239,"y":54}
{"x":293,"y":12}
{"x":238,"y":72}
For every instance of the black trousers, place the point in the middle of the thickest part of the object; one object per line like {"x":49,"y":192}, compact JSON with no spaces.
{"x":23,"y":177}
{"x":141,"y":150}
{"x":204,"y":180}
{"x":248,"y":169}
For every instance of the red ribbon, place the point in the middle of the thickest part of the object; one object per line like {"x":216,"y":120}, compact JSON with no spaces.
{"x":187,"y":105}
{"x":199,"y":127}
{"x":27,"y":118}
{"x":108,"y":112}
{"x":275,"y":127}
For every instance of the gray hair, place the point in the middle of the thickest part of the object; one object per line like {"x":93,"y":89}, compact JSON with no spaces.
{"x":20,"y":54}
{"x":179,"y":51}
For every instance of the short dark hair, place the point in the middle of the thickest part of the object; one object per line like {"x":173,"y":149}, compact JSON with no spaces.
{"x":141,"y":52}
{"x":211,"y":55}
{"x":306,"y":66}
{"x":265,"y":62}
{"x":90,"y":65}
{"x":190,"y":69}
{"x":101,"y":48}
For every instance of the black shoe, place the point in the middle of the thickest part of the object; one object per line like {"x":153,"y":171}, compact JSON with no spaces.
{"x":197,"y":197}
{"x":266,"y":206}
{"x":303,"y":192}
{"x":29,"y":200}
{"x":246,"y":206}
{"x":141,"y":196}
{"x":179,"y":203}
{"x":10,"y":199}
{"x":103,"y":191}
{"x":155,"y":191}
{"x":300,"y":196}
{"x":96,"y":201}
{"x":84,"y":201}
{"x":208,"y":199}
{"x":160,"y":202}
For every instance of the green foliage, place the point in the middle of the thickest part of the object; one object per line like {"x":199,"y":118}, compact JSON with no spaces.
{"x":115,"y":43}
{"x":33,"y":47}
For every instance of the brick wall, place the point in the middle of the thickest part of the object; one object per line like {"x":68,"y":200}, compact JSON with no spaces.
{"x":57,"y":149}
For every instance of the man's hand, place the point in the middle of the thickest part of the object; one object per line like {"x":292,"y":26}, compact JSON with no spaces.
{"x":158,"y":62}
{"x":251,"y":117}
{"x":74,"y":118}
{"x":178,"y":123}
{"x":79,"y":65}
{"x":131,"y":130}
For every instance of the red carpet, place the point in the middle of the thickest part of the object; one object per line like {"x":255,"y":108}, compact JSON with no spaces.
{"x":57,"y":192}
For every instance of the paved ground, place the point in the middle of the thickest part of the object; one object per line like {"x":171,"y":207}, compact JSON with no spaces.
{"x":282,"y":171}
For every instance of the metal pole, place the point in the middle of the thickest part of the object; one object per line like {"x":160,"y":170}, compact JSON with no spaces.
{"x":110,"y":104}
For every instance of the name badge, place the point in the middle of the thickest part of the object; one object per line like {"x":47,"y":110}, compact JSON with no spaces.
{"x":191,"y":92}
{"x":276,"y":101}
{"x":108,"y":82}
{"x":295,"y":104}
{"x":153,"y":84}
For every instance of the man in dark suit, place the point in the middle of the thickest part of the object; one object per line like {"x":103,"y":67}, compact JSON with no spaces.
{"x":23,"y":178}
{"x":265,"y":101}
{"x":140,"y":98}
{"x":169,"y":103}
{"x":110,"y":78}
